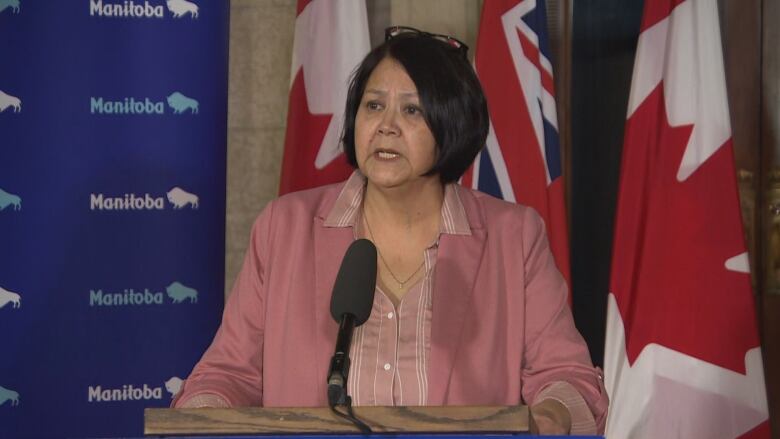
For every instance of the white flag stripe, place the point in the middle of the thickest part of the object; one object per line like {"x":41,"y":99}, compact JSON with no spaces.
{"x":694,"y":84}
{"x":331,"y":38}
{"x":738,"y":263}
{"x":697,"y":83}
{"x":643,"y":394}
{"x":550,"y":112}
{"x":499,"y":166}
{"x":475,"y":173}
{"x":528,"y":74}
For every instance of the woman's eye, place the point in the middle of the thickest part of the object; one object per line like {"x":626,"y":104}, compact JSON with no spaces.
{"x":373,"y":105}
{"x":413,"y":110}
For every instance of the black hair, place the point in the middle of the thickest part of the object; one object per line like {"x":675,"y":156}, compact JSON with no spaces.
{"x":454,"y":106}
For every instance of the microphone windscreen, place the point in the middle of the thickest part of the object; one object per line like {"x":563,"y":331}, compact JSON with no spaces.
{"x":353,"y":292}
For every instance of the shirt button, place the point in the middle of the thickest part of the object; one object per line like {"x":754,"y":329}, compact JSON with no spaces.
{"x":387,"y":366}
{"x":389,"y":315}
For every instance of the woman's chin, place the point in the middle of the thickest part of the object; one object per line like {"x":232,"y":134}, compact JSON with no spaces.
{"x":387,"y":182}
{"x":386,"y":177}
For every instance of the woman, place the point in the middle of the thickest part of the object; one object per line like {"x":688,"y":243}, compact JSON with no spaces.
{"x":469,"y":307}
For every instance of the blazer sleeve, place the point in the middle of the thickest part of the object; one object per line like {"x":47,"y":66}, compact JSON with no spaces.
{"x":554,"y":349}
{"x":232,"y":367}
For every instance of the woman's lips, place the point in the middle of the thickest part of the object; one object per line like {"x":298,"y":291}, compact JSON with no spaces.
{"x":384,"y":154}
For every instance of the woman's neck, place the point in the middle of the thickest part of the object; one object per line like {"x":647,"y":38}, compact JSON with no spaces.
{"x":405,"y":206}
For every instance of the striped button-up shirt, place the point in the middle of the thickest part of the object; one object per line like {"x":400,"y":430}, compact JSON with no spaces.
{"x":390,"y":352}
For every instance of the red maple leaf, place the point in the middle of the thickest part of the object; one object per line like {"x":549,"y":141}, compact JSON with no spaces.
{"x":672,"y":239}
{"x":303,"y":140}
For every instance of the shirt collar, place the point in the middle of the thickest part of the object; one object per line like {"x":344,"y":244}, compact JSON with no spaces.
{"x":346,"y":209}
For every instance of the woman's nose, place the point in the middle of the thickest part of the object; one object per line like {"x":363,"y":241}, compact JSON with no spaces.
{"x":388,"y":125}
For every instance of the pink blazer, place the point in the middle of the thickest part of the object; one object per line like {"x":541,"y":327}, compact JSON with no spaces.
{"x":501,"y":327}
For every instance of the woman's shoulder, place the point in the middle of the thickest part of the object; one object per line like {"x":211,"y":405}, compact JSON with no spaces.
{"x":314,"y":200}
{"x":298,"y":208}
{"x":491,"y":212}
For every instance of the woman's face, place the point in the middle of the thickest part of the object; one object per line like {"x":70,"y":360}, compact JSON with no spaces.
{"x":393,"y":144}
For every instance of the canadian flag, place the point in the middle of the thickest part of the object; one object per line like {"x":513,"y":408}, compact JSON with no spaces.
{"x":683,"y":357}
{"x":331,"y":38}
{"x":521,"y":161}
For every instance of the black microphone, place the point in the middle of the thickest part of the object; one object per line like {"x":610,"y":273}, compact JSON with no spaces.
{"x":350,"y":306}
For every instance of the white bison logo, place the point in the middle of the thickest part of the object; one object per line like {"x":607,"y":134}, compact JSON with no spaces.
{"x":8,"y":199}
{"x":180,"y":198}
{"x":13,"y":4}
{"x":181,"y":7}
{"x":8,"y":395}
{"x":179,"y":292}
{"x":173,"y":385}
{"x":7,"y":297}
{"x":181,"y":103}
{"x":8,"y":101}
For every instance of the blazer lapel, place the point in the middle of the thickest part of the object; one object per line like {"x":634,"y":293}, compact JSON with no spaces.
{"x":457,"y":265}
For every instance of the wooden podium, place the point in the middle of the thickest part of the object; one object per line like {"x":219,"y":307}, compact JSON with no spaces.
{"x":307,"y":421}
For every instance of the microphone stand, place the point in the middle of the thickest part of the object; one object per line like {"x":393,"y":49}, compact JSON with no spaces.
{"x":339,"y":370}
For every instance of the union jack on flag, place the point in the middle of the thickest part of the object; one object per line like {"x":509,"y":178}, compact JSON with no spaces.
{"x":522,"y":161}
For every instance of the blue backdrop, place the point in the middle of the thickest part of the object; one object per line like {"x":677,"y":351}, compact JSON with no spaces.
{"x":112,"y":207}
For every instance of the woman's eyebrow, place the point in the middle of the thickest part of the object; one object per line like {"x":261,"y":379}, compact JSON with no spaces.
{"x":379,"y":92}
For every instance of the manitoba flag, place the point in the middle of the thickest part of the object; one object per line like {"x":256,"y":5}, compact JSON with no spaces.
{"x":682,"y":352}
{"x":522,"y":161}
{"x":331,"y":38}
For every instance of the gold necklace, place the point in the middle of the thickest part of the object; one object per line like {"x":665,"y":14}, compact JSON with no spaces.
{"x":400,"y":282}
